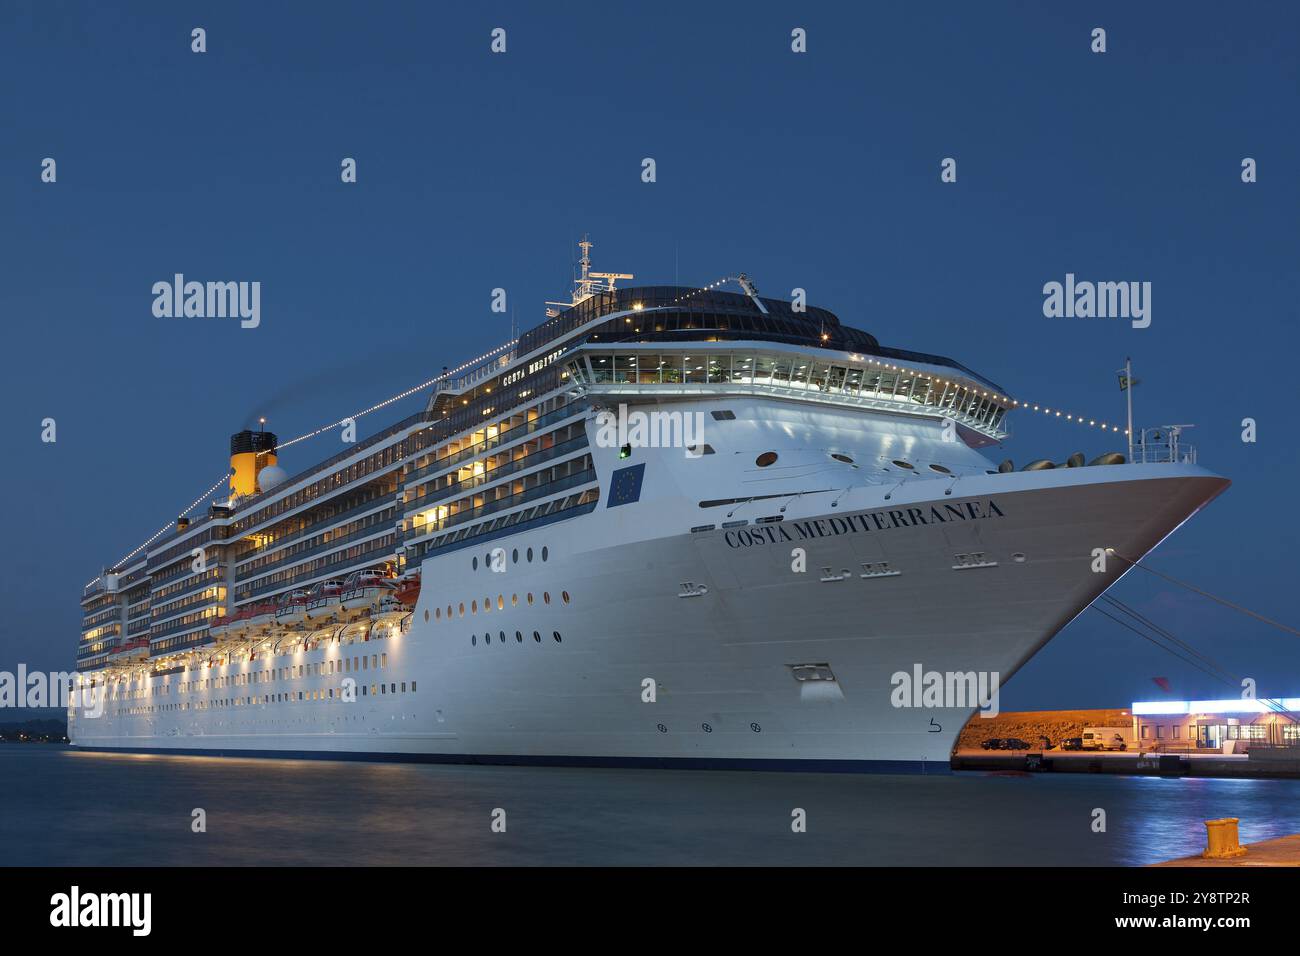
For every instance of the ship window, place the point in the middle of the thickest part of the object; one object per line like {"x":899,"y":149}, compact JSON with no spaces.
{"x":501,"y":602}
{"x":475,"y":564}
{"x":514,"y":600}
{"x":473,"y":607}
{"x":723,"y":415}
{"x":502,"y":636}
{"x":487,"y":638}
{"x":462,"y":608}
{"x":537,"y":637}
{"x":765,"y":459}
{"x":941,"y":469}
{"x":904,"y":464}
{"x":546,"y":553}
{"x":546,"y":597}
{"x":530,"y":598}
{"x":487,"y":604}
{"x":556,"y":635}
{"x":514,"y":556}
{"x":844,"y":458}
{"x":449,"y":612}
{"x":473,"y":639}
{"x":530,"y":555}
{"x":519,"y":638}
{"x":564,"y":595}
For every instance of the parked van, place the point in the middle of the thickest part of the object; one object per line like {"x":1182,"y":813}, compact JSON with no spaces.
{"x":1105,"y":738}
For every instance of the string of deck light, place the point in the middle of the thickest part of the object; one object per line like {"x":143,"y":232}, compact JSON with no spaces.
{"x":704,"y":288}
{"x":441,"y":376}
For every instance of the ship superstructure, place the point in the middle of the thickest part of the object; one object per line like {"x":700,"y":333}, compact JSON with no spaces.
{"x":586,"y":547}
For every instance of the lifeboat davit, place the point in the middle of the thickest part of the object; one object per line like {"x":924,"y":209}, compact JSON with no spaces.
{"x":260,"y":615}
{"x":366,"y":590}
{"x":324,"y":598}
{"x":407,"y":591}
{"x":292,"y":608}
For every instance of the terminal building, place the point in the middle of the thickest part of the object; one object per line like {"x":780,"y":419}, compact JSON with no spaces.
{"x":1222,"y":726}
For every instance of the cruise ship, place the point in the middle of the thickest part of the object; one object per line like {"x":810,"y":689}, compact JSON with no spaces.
{"x":671,"y":527}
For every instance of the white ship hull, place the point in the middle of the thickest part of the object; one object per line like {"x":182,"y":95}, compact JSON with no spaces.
{"x":716,"y":619}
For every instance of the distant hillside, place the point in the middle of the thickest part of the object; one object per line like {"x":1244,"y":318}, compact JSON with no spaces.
{"x":1031,"y":725}
{"x":42,"y":730}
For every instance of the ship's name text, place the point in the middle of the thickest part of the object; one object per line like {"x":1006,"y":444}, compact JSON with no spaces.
{"x":856,"y":524}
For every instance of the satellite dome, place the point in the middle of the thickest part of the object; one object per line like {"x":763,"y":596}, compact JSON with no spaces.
{"x":272,"y":476}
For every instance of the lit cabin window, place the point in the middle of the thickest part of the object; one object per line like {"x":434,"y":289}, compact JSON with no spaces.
{"x":904,"y":464}
{"x":765,"y":459}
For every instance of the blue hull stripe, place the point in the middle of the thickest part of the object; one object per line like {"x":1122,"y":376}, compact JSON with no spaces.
{"x":660,"y":763}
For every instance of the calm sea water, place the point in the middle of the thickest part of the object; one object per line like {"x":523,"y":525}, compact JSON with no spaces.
{"x":63,"y":808}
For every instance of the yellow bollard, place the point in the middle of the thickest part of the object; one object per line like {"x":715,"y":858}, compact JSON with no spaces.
{"x":1221,"y":839}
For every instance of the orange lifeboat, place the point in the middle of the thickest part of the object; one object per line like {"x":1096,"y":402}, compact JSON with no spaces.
{"x":408,"y":588}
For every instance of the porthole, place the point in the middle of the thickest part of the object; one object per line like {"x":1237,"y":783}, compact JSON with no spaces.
{"x":530,"y":555}
{"x":765,"y":459}
{"x":501,"y":602}
{"x":530,"y":598}
{"x":449,"y":611}
{"x":487,"y":604}
{"x":475,"y":564}
{"x":488,"y":637}
{"x":707,"y":728}
{"x":1018,"y":557}
{"x":437,"y":614}
{"x":904,"y":464}
{"x":462,"y":608}
{"x":556,"y":635}
{"x":661,"y":728}
{"x":941,"y":469}
{"x":502,"y":635}
{"x":546,"y":553}
{"x":514,"y":556}
{"x":844,"y":458}
{"x":473,"y":607}
{"x":426,"y":615}
{"x":546,"y":597}
{"x":564,"y":596}
{"x":519,"y":638}
{"x":473,"y":639}
{"x":514,"y":600}
{"x":537,"y":637}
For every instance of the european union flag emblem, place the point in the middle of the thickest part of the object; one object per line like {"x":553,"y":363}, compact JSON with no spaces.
{"x":625,"y":486}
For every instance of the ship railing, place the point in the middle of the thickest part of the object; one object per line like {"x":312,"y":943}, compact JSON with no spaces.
{"x":1163,"y":446}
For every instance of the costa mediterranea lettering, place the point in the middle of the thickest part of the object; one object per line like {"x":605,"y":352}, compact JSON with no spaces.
{"x":885,"y":520}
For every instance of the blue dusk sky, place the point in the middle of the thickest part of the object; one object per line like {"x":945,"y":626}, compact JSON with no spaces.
{"x":818,"y":170}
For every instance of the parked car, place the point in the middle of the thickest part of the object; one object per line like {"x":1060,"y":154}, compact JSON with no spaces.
{"x":1015,"y":743}
{"x":993,"y":743}
{"x":1072,"y":743}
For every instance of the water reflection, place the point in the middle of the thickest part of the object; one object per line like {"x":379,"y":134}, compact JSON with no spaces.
{"x":60,"y":807}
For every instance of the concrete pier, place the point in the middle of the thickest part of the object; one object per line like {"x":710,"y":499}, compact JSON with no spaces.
{"x":1134,"y":764}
